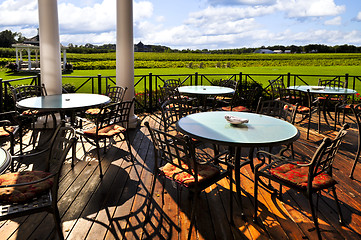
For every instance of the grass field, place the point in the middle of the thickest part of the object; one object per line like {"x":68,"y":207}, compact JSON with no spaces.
{"x":297,"y":64}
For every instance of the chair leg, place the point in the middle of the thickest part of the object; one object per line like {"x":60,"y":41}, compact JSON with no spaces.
{"x":230,"y":195}
{"x":255,"y":189}
{"x":314,"y":216}
{"x":193,"y":214}
{"x":57,"y":221}
{"x":340,"y":218}
{"x":355,"y":161}
{"x":99,"y":159}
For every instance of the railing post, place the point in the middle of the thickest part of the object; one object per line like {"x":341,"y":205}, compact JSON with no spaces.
{"x":38,"y":77}
{"x":196,"y":78}
{"x":288,"y":79}
{"x":240,"y":76}
{"x":150,"y":93}
{"x":99,"y":84}
{"x":1,"y":96}
{"x":346,"y":80}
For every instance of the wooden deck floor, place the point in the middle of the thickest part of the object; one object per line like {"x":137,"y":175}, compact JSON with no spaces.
{"x":114,"y":208}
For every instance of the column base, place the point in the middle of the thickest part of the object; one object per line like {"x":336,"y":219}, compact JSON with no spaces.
{"x":133,"y":121}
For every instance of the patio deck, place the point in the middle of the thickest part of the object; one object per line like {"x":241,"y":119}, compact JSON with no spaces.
{"x":114,"y":208}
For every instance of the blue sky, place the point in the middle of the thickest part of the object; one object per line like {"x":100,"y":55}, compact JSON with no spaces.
{"x":199,"y":24}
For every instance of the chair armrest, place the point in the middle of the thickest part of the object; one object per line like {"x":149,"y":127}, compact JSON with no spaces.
{"x":30,"y":154}
{"x":277,"y":158}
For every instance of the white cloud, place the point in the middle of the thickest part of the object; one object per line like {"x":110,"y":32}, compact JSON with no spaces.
{"x":358,"y":18}
{"x":310,"y":8}
{"x":334,"y":21}
{"x":21,"y":12}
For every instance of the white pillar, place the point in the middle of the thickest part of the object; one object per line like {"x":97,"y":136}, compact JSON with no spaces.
{"x":17,"y":58}
{"x":29,"y":59}
{"x":64,"y":59}
{"x":50,"y":60}
{"x":125,"y":52}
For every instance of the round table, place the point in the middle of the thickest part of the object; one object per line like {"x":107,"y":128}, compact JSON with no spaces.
{"x":203,"y":91}
{"x":5,"y":160}
{"x":324,"y":90}
{"x":64,"y":102}
{"x":327,"y":92}
{"x":260,"y":131}
{"x":68,"y":101}
{"x":206,"y":90}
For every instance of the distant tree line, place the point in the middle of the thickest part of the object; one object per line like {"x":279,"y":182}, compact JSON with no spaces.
{"x":7,"y":38}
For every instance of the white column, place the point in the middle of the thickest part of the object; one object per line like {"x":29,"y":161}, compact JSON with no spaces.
{"x":64,"y":59}
{"x":29,"y":59}
{"x":50,"y":60}
{"x":125,"y":51}
{"x":17,"y":57}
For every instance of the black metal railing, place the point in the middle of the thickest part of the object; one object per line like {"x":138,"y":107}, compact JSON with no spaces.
{"x":147,"y":90}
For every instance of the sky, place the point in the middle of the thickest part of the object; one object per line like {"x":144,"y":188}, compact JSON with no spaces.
{"x":198,"y":24}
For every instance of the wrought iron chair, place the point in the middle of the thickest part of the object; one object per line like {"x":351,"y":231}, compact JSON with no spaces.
{"x":115,"y":93}
{"x":244,"y":98}
{"x":176,"y":159}
{"x":112,"y":121}
{"x":333,"y":102}
{"x":10,"y":129}
{"x":224,"y":100}
{"x":29,"y":117}
{"x":276,"y":85}
{"x":278,"y":109}
{"x":357,"y":113}
{"x":28,"y":192}
{"x":307,"y":177}
{"x":172,"y":110}
{"x":305,"y":106}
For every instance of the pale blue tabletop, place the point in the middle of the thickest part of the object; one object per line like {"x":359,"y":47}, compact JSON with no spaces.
{"x":69,"y":101}
{"x":261,"y":130}
{"x":324,"y":90}
{"x":206,"y":90}
{"x":5,"y":160}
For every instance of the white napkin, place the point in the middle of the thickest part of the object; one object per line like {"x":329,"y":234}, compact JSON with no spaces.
{"x":235,"y":120}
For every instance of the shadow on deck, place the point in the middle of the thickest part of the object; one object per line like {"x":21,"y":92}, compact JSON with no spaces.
{"x":114,"y":208}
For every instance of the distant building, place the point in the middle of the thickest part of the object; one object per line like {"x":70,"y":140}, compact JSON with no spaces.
{"x":277,"y":51}
{"x":263,"y":51}
{"x":140,"y":47}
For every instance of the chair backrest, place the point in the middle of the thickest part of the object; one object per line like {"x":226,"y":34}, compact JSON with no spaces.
{"x":228,"y":83}
{"x":293,"y":96}
{"x":277,"y":108}
{"x":61,"y":142}
{"x":276,"y":85}
{"x":169,"y":93}
{"x":173,"y":150}
{"x":173,"y":110}
{"x":336,"y":83}
{"x":114,"y":113}
{"x":116,"y":93}
{"x":27,"y":91}
{"x":245,"y":95}
{"x":325,"y":154}
{"x":172,"y":83}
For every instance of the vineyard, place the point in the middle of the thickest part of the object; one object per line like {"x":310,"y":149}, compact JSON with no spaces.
{"x":203,"y":60}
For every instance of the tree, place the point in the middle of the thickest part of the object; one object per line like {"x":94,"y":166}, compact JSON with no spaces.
{"x":7,"y":38}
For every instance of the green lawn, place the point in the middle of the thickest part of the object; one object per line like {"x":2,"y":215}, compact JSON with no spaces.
{"x":298,"y":70}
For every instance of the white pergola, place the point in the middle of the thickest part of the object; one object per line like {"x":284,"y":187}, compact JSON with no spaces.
{"x":21,"y":47}
{"x":50,"y":48}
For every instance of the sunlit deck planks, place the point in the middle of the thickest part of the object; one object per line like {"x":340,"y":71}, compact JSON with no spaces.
{"x":114,"y":208}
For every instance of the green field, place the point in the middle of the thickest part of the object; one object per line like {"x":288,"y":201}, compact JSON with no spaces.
{"x":179,"y":63}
